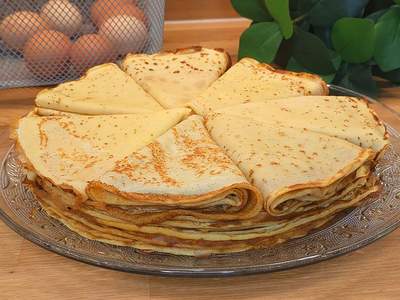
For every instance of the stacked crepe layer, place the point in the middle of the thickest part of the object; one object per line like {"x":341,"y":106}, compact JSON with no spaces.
{"x":263,"y":164}
{"x":222,"y":185}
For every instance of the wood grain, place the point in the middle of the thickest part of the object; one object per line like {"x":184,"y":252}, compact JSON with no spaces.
{"x":195,"y":9}
{"x":30,"y":272}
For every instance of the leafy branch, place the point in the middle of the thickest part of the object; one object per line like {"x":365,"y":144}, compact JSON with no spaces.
{"x":346,"y":42}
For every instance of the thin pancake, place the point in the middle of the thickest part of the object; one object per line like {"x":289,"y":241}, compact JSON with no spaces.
{"x":295,"y":169}
{"x":103,"y":90}
{"x":252,"y":81}
{"x":183,"y":170}
{"x":168,"y":239}
{"x":346,"y":118}
{"x":176,"y":78}
{"x":94,"y":143}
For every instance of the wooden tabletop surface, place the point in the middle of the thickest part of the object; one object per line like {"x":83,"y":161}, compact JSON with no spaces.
{"x":30,"y":272}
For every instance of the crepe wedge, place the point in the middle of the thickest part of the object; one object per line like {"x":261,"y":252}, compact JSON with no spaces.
{"x":296,"y":170}
{"x":178,"y":77}
{"x":103,"y":90}
{"x":71,"y":150}
{"x":251,"y":81}
{"x":347,"y":118}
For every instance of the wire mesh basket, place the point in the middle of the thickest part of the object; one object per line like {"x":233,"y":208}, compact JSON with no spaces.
{"x":44,"y":42}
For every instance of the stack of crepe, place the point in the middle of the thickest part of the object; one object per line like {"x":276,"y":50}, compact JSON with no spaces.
{"x":244,"y":175}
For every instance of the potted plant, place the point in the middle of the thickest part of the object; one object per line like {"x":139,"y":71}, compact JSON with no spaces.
{"x":346,"y":42}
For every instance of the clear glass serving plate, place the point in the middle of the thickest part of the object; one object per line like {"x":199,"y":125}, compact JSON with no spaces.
{"x":355,"y":228}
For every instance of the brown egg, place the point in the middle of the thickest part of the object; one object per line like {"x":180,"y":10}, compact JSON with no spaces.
{"x":91,"y":50}
{"x":17,"y":28}
{"x":102,"y":10}
{"x":61,"y":15}
{"x":46,"y":54}
{"x":126,"y":33}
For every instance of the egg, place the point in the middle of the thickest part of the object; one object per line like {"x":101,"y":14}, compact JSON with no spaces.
{"x":62,"y":15}
{"x":90,"y":50}
{"x":102,"y":10}
{"x":126,"y":33}
{"x":17,"y":28}
{"x":46,"y":54}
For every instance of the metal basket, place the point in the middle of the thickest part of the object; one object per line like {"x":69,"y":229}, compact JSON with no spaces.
{"x":44,"y":42}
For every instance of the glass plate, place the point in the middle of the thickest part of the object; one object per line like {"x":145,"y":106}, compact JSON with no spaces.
{"x":376,"y":217}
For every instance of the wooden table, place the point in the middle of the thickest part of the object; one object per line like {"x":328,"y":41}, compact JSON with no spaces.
{"x":30,"y":272}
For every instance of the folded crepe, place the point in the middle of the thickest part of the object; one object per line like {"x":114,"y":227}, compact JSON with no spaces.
{"x":71,"y":150}
{"x":347,"y":118}
{"x":181,"y":170}
{"x":176,"y":78}
{"x":251,"y":81}
{"x":183,"y":176}
{"x":40,"y":111}
{"x":296,"y":170}
{"x":182,"y":194}
{"x":103,"y":90}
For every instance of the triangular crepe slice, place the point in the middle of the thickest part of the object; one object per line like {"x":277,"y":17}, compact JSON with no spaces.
{"x":347,"y":118}
{"x":252,"y":81}
{"x":296,"y":170}
{"x":183,"y":172}
{"x":103,"y":90}
{"x":69,"y":151}
{"x":176,"y":78}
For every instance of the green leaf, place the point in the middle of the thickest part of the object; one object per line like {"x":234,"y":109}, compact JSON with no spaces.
{"x":294,"y":66}
{"x":326,"y":12}
{"x":376,"y":15}
{"x":311,"y":52}
{"x":387,"y":47}
{"x":354,"y":39}
{"x":260,"y":41}
{"x":252,"y":9}
{"x":358,"y":78}
{"x":397,"y":1}
{"x":279,"y":10}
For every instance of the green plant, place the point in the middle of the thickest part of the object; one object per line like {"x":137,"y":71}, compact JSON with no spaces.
{"x":346,"y":42}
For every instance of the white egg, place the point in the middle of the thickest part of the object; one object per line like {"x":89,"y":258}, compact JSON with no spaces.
{"x":62,"y":15}
{"x":126,"y":33}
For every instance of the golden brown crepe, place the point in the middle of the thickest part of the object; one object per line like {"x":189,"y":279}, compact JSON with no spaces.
{"x":296,"y":170}
{"x":103,"y":90}
{"x":347,"y":118}
{"x":251,"y":81}
{"x":181,"y":194}
{"x":248,"y":176}
{"x":178,"y":77}
{"x":71,"y":150}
